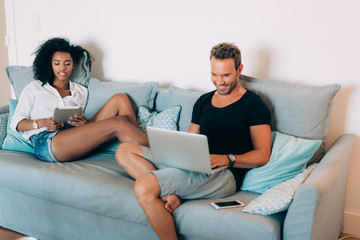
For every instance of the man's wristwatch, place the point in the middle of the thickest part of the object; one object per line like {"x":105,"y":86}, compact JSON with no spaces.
{"x":232,"y":159}
{"x":35,"y":125}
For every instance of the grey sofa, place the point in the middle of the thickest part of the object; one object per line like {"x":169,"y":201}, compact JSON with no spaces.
{"x":93,"y":198}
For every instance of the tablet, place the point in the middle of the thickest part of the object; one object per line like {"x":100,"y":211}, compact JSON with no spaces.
{"x":62,"y":114}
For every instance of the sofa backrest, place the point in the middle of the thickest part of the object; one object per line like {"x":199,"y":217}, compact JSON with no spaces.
{"x":177,"y":96}
{"x":301,"y":111}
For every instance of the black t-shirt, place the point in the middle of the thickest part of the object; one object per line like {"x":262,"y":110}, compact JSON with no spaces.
{"x":228,"y":128}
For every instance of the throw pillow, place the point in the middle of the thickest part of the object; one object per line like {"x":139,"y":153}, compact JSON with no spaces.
{"x":3,"y":124}
{"x":4,"y":109}
{"x":289,"y":156}
{"x":20,"y":76}
{"x":100,"y":92}
{"x":278,"y":198}
{"x":167,"y":119}
{"x":14,"y":140}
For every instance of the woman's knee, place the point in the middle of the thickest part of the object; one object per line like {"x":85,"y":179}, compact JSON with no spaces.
{"x":120,"y":98}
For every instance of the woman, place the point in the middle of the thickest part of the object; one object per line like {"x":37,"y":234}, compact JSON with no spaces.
{"x":55,"y":60}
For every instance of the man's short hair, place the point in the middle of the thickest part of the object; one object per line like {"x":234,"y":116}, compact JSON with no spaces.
{"x":227,"y":50}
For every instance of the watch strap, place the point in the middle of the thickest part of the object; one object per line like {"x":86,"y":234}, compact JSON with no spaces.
{"x":232,"y":159}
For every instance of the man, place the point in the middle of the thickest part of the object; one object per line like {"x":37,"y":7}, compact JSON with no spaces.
{"x":237,"y":124}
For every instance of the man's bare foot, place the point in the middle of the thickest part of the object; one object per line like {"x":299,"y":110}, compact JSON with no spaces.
{"x":171,"y":202}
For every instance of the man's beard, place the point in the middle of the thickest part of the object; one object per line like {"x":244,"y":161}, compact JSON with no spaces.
{"x":232,"y":86}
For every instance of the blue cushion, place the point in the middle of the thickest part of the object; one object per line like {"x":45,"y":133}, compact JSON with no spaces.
{"x":14,"y":140}
{"x":289,"y":156}
{"x":3,"y":126}
{"x":4,"y":109}
{"x":178,"y":96}
{"x":100,"y":92}
{"x":278,"y":198}
{"x":20,"y":76}
{"x":167,"y":119}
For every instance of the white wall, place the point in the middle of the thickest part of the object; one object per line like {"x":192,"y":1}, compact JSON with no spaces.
{"x":4,"y":83}
{"x":304,"y":42}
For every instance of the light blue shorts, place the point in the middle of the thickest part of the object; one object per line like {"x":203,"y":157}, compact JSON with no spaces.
{"x":192,"y":185}
{"x":42,"y":145}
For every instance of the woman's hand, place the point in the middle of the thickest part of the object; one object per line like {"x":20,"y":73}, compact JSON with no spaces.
{"x":52,"y":126}
{"x":78,"y":120}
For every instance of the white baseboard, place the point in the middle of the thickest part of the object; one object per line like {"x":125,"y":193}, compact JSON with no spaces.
{"x":352,"y":223}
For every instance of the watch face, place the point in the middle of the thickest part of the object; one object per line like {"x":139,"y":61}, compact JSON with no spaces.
{"x":232,"y":157}
{"x":35,"y":125}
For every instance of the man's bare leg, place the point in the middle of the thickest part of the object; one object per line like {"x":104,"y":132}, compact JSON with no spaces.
{"x":130,"y":157}
{"x":147,"y":192}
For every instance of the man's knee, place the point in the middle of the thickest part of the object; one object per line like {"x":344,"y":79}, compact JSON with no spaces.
{"x":124,"y":152}
{"x":146,"y":188}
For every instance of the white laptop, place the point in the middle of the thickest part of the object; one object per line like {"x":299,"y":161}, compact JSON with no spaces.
{"x":183,"y":150}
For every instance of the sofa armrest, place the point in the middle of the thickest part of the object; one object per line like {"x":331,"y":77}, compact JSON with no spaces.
{"x":317,"y":209}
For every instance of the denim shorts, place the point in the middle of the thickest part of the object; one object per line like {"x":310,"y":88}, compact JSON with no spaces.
{"x":192,"y":185}
{"x":42,"y":145}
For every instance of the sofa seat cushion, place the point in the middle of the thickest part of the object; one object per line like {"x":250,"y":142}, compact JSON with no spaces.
{"x":96,"y":184}
{"x":99,"y":185}
{"x":198,"y":219}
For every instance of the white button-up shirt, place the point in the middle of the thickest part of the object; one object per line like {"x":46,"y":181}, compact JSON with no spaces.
{"x":37,"y":101}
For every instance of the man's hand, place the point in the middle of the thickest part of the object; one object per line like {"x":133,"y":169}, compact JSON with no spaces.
{"x":52,"y":126}
{"x":78,"y":120}
{"x":218,"y":160}
{"x":171,"y":202}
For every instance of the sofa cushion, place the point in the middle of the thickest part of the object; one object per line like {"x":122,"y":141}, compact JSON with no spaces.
{"x":278,"y":198}
{"x":289,"y":156}
{"x":301,"y":111}
{"x":99,"y":185}
{"x":15,"y":141}
{"x":167,"y":119}
{"x":3,"y":126}
{"x":4,"y":109}
{"x":20,"y":76}
{"x":96,"y":184}
{"x":178,"y":96}
{"x":198,"y":219}
{"x":100,"y":92}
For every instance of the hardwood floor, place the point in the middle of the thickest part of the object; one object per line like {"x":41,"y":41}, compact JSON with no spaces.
{"x":6,"y":234}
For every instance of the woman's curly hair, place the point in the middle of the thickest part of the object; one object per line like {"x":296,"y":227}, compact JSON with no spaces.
{"x":42,"y":65}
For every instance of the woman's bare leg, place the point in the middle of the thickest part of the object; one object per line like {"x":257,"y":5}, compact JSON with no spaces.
{"x":117,"y":105}
{"x":73,"y":143}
